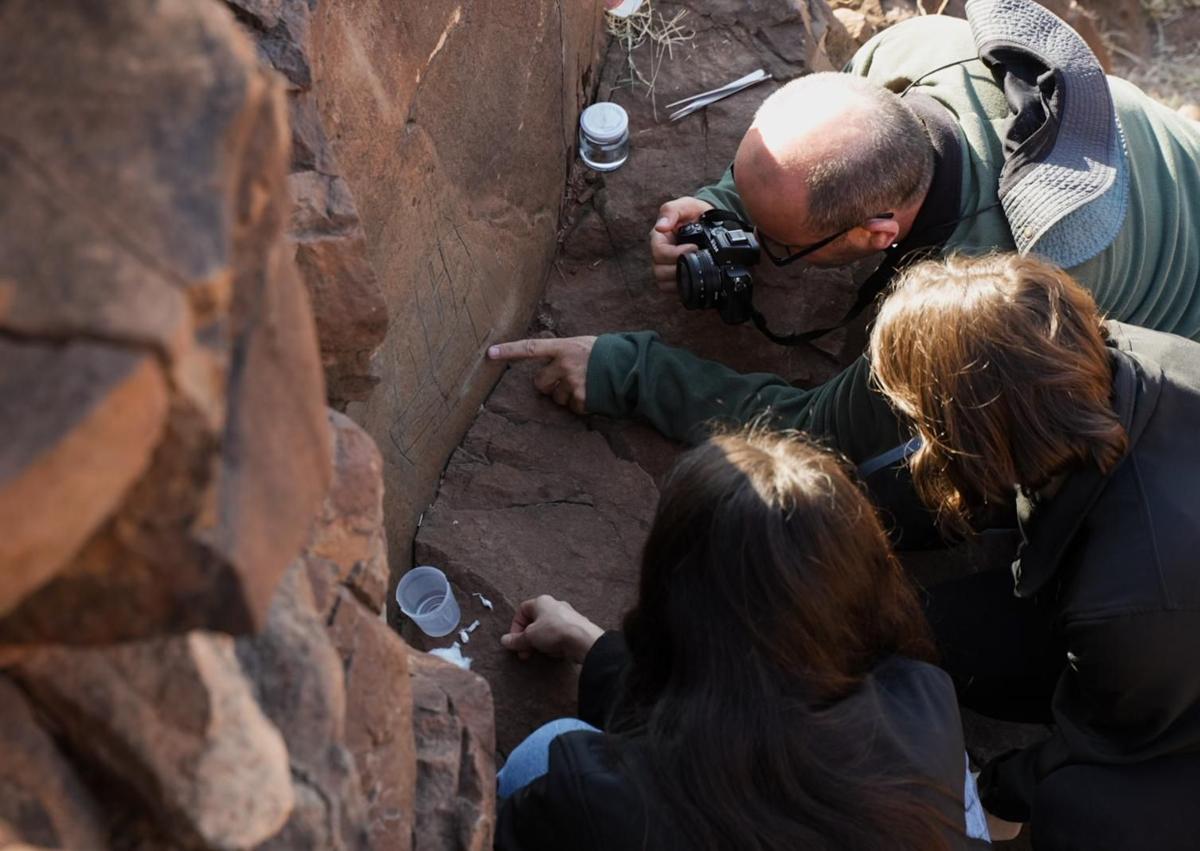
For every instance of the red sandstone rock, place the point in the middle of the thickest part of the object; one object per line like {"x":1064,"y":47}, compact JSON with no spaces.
{"x":456,"y":156}
{"x":455,"y":748}
{"x":176,"y":720}
{"x":330,"y":246}
{"x":297,"y":678}
{"x":347,"y":546}
{"x":534,"y":503}
{"x":42,"y":801}
{"x":80,"y":422}
{"x":857,"y":25}
{"x":349,"y":307}
{"x":379,"y":721}
{"x":178,"y":254}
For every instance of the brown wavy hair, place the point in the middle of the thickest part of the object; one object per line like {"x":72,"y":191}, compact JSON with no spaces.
{"x":1001,"y":363}
{"x":768,"y":592}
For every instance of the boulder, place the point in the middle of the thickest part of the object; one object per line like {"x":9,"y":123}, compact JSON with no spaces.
{"x":42,"y":800}
{"x":80,"y":420}
{"x":456,"y":155}
{"x":857,"y":25}
{"x":148,"y":216}
{"x":455,"y":751}
{"x":177,"y":721}
{"x":379,"y":721}
{"x":297,"y":678}
{"x":347,"y":547}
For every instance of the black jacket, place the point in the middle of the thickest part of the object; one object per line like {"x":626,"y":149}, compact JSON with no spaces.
{"x":598,"y":793}
{"x":1118,"y":557}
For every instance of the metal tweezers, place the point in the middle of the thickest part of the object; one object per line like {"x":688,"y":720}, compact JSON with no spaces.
{"x":698,"y":102}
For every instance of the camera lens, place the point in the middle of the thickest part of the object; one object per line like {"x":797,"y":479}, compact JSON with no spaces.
{"x":698,"y":279}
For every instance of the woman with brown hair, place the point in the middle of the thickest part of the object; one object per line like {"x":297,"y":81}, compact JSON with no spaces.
{"x":1021,"y":393}
{"x":771,"y":688}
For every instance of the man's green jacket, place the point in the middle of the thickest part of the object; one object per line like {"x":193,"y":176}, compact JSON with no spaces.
{"x":1149,"y":275}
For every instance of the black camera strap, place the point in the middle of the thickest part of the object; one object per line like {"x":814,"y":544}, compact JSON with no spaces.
{"x":760,"y":322}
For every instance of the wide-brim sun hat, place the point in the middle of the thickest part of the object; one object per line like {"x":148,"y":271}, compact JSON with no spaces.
{"x":1065,"y":187}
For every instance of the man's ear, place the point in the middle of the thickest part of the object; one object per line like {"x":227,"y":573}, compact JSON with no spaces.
{"x":881,"y":233}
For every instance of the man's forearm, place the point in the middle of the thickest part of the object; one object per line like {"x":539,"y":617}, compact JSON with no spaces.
{"x":684,"y":397}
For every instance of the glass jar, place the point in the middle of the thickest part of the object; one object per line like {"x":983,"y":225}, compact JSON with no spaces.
{"x":604,"y":136}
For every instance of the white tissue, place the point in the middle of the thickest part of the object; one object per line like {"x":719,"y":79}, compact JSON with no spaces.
{"x":453,"y":654}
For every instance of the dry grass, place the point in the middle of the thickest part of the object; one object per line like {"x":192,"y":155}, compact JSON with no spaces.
{"x":1171,"y":73}
{"x":648,"y":26}
{"x":1172,"y":76}
{"x":1164,"y":10}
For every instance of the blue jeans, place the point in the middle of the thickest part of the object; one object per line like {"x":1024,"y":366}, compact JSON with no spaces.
{"x":531,"y":759}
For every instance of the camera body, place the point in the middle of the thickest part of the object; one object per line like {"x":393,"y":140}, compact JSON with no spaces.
{"x":717,"y":275}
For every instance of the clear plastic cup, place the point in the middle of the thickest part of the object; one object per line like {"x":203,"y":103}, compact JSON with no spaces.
{"x":425,"y":596}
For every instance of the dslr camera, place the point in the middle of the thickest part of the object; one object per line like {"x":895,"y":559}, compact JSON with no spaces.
{"x":717,"y":275}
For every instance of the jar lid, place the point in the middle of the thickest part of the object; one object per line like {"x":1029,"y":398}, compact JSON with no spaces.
{"x":604,"y":122}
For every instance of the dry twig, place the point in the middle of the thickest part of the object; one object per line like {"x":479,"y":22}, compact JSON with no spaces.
{"x":646,"y":25}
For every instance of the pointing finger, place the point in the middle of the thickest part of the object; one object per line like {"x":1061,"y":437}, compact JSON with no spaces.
{"x":524,"y":350}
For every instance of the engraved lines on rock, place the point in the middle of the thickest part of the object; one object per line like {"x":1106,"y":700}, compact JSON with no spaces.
{"x":443,"y":311}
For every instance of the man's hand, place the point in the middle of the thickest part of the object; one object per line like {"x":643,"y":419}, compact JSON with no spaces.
{"x":663,"y":250}
{"x":565,"y":377}
{"x":552,"y":627}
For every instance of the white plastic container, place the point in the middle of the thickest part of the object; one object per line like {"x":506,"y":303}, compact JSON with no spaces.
{"x":604,"y":136}
{"x":622,"y":8}
{"x":425,"y":596}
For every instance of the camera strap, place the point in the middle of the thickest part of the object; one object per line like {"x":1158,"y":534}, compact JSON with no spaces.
{"x":760,"y":322}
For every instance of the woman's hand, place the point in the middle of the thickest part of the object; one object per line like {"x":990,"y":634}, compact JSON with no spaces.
{"x":1001,"y":830}
{"x":552,"y":627}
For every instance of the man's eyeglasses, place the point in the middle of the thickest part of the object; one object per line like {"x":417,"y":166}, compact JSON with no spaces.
{"x":782,"y":254}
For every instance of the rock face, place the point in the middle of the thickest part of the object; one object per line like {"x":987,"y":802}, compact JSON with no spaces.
{"x":41,"y":798}
{"x":456,"y":150}
{"x":207,"y":760}
{"x":192,"y":554}
{"x":330,"y":246}
{"x":379,"y":730}
{"x":456,"y":778}
{"x":143,"y":267}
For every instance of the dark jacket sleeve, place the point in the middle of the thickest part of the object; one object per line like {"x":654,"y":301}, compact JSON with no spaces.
{"x":724,"y":195}
{"x":683,"y":396}
{"x":600,"y":678}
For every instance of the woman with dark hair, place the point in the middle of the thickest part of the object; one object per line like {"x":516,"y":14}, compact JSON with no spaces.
{"x":1021,"y":393}
{"x":771,"y":688}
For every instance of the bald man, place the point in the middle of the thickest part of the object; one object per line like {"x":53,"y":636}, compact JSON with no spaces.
{"x":834,"y":168}
{"x":904,"y":154}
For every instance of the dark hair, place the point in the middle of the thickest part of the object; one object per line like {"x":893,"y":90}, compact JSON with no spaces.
{"x":1001,"y":363}
{"x":768,"y":592}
